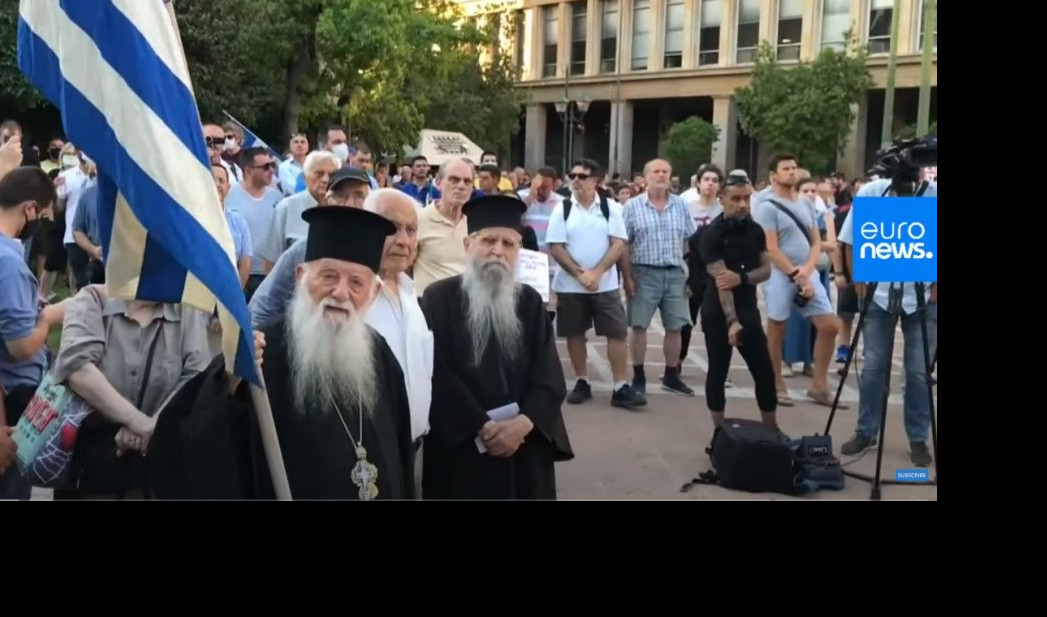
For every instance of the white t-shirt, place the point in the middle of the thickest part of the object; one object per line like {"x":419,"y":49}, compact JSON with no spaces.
{"x":587,"y":236}
{"x":75,"y":181}
{"x":703,"y":215}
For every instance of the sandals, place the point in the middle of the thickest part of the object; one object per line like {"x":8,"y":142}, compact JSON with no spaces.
{"x":823,"y":398}
{"x":784,"y":400}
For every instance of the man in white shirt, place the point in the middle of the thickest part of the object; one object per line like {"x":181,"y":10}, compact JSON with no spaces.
{"x":704,"y":205}
{"x":294,"y":166}
{"x":395,"y":312}
{"x":586,"y":236}
{"x":878,"y":330}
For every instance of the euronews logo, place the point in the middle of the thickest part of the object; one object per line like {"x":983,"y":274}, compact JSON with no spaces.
{"x":896,"y":239}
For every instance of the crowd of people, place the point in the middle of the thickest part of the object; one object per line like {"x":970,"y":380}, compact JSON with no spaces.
{"x":401,"y":356}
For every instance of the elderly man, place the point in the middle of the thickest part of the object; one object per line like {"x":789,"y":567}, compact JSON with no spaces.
{"x":336,"y":391}
{"x":287,"y":225}
{"x":498,"y":386}
{"x":395,"y":313}
{"x":441,"y":228}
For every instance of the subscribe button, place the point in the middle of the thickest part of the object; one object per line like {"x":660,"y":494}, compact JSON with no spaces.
{"x":912,"y":475}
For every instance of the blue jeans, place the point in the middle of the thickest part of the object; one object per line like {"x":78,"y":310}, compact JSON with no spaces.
{"x":877,"y":334}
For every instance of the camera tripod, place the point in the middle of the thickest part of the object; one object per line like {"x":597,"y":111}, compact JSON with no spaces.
{"x":896,"y":314}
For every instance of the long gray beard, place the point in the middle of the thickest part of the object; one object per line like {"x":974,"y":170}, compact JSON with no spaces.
{"x":491,"y":293}
{"x":329,"y":361}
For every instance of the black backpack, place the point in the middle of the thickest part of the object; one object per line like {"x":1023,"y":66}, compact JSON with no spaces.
{"x":748,"y":456}
{"x":605,"y":210}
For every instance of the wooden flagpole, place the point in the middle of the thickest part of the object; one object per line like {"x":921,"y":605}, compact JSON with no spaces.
{"x":259,"y":397}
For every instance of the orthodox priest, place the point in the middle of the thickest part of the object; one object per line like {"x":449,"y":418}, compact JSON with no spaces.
{"x":336,"y":390}
{"x":496,"y":426}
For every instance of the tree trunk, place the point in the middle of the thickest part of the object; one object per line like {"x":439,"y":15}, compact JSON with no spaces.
{"x":304,"y":59}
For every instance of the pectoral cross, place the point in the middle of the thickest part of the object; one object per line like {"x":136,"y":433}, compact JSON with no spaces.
{"x":365,"y":476}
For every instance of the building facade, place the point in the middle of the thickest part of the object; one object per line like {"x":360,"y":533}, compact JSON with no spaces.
{"x":607,"y":78}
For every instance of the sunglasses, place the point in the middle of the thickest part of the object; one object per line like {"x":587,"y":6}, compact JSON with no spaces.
{"x":578,"y":176}
{"x":214,"y":142}
{"x":735,"y":181}
{"x":269,"y":166}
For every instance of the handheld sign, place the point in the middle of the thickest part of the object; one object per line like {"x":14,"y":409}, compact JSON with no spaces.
{"x":532,"y":268}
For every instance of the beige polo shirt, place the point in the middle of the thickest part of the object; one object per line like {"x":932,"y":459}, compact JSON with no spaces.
{"x":441,"y":248}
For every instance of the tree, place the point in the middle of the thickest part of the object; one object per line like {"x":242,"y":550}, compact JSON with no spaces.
{"x":689,"y":144}
{"x":483,"y":103}
{"x":805,"y":110}
{"x":14,"y":89}
{"x":908,"y":132}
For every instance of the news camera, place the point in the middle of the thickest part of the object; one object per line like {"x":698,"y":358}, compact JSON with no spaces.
{"x":903,"y":160}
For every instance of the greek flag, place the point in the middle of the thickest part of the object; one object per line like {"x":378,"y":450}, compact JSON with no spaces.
{"x":116,"y":70}
{"x":250,"y":139}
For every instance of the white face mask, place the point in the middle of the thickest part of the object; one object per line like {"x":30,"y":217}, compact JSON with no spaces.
{"x":341,"y":151}
{"x":228,"y":145}
{"x":70,"y":160}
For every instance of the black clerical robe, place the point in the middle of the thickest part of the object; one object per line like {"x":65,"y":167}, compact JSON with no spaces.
{"x":463,"y":392}
{"x":317,"y":452}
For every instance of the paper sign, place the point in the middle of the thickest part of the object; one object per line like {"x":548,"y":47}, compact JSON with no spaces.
{"x":532,"y":268}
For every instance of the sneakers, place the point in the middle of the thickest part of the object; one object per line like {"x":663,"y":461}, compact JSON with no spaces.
{"x":858,"y":444}
{"x":627,"y":398}
{"x":728,"y":383}
{"x":675,"y":384}
{"x":640,"y":387}
{"x":581,"y":393}
{"x":919,"y":454}
{"x":841,"y":353}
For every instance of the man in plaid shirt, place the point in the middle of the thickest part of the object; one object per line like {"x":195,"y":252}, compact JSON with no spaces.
{"x":655,"y":276}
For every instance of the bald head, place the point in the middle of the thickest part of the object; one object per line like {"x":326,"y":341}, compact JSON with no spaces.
{"x":657,"y":174}
{"x":401,"y":247}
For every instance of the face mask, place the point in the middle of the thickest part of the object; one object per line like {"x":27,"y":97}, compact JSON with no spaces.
{"x":70,"y":160}
{"x":341,"y":151}
{"x":54,"y":152}
{"x":228,"y":145}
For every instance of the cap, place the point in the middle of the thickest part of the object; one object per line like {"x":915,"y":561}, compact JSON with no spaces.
{"x":346,"y":234}
{"x":347,"y":174}
{"x":494,"y":211}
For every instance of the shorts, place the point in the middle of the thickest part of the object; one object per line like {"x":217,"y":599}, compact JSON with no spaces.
{"x":781,"y":292}
{"x":576,"y":313}
{"x":661,"y":289}
{"x":847,"y":303}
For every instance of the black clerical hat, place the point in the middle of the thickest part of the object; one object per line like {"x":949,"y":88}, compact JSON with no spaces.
{"x":494,"y":211}
{"x":348,"y":234}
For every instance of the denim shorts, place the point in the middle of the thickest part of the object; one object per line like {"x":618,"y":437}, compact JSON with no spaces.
{"x":780,"y":292}
{"x":659,"y":289}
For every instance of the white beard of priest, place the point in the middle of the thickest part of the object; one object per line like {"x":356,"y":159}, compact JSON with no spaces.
{"x":496,"y":427}
{"x":336,"y":390}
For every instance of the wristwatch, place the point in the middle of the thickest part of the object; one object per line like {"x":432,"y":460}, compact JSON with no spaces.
{"x":792,"y":275}
{"x":745,"y":277}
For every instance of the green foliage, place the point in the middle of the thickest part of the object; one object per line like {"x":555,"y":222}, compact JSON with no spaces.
{"x":908,"y":132}
{"x":805,"y":109}
{"x":15,"y":91}
{"x":689,"y":144}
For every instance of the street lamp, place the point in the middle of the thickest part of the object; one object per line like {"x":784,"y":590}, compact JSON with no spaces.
{"x":571,"y":113}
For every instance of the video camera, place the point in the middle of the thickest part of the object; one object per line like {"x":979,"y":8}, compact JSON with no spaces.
{"x":903,"y":160}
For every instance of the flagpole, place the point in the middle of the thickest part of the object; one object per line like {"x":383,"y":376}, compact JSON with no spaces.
{"x":259,"y":397}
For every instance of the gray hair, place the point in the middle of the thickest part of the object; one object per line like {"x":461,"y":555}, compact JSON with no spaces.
{"x":319,"y":156}
{"x":443,"y":168}
{"x":376,"y":198}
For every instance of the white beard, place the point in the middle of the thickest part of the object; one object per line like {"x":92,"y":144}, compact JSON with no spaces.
{"x":491,"y":293}
{"x":330,"y":361}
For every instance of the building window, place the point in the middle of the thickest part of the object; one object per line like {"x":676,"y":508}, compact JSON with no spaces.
{"x":609,"y":37}
{"x":518,"y":34}
{"x":748,"y":30}
{"x":578,"y":38}
{"x":836,"y":21}
{"x":673,"y":58}
{"x":790,"y":27}
{"x":641,"y":34}
{"x":549,"y":37}
{"x":880,"y":12}
{"x":709,"y":32}
{"x":923,"y":16}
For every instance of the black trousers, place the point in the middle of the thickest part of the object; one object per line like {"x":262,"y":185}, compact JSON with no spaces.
{"x":754,"y":350}
{"x":12,"y":484}
{"x":694,"y":303}
{"x":253,"y":283}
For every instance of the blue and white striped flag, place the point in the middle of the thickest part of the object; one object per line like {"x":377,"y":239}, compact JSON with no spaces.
{"x":116,"y":70}
{"x":250,"y":139}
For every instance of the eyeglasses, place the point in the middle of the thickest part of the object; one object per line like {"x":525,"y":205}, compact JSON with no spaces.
{"x":579,"y":176}
{"x":269,"y":166}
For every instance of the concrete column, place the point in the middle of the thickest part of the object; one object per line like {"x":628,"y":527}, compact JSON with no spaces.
{"x":860,"y":21}
{"x":655,"y":57}
{"x":728,"y":31}
{"x":527,"y":71}
{"x":535,"y":38}
{"x":769,"y":21}
{"x":852,"y":160}
{"x":593,"y":23}
{"x":563,"y":48}
{"x":809,"y":48}
{"x":908,"y":37}
{"x":690,"y":30}
{"x":725,"y":117}
{"x":534,"y":134}
{"x":621,"y":151}
{"x":625,"y":37}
